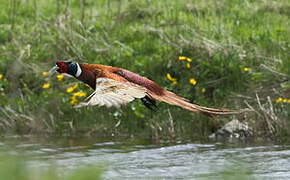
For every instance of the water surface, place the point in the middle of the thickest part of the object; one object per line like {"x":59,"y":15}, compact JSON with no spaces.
{"x":142,"y":159}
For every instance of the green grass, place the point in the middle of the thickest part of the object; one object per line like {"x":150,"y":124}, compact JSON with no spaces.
{"x":15,"y":167}
{"x":221,"y":37}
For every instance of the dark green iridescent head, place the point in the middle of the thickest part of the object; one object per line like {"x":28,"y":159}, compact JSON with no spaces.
{"x":69,"y":67}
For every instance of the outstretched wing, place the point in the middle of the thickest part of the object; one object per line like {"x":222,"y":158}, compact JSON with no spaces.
{"x":113,"y":93}
{"x":140,"y":80}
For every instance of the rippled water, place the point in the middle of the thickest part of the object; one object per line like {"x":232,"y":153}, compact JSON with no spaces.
{"x":136,"y":159}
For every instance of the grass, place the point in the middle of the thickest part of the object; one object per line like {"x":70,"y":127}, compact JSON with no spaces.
{"x":239,"y":51}
{"x":16,"y":168}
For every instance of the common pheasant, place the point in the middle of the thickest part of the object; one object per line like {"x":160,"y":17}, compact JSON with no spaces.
{"x":116,"y":86}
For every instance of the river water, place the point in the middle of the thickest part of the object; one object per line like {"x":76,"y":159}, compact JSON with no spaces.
{"x":143,"y":159}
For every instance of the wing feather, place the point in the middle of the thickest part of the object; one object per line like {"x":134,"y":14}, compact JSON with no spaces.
{"x":110,"y":93}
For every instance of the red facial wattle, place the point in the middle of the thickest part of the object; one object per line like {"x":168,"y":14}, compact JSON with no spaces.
{"x":62,"y":67}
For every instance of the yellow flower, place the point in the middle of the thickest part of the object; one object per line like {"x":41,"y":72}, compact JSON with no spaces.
{"x":1,"y":76}
{"x":284,"y":100}
{"x":188,"y":65}
{"x":192,"y":81}
{"x":169,"y":77}
{"x":278,"y":100}
{"x":189,"y":60}
{"x":203,"y":90}
{"x":246,"y":69}
{"x":45,"y":73}
{"x":79,"y":94}
{"x":59,"y":77}
{"x":184,"y":58}
{"x":174,"y":83}
{"x":73,"y":100}
{"x":173,"y":80}
{"x":46,"y":86}
{"x":72,"y":88}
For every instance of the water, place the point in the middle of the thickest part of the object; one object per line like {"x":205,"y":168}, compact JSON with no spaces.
{"x":141,"y":159}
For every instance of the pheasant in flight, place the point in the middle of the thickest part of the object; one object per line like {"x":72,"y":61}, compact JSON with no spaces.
{"x":116,"y":86}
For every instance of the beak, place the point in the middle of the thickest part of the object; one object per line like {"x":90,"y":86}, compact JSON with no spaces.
{"x":53,"y":70}
{"x":58,"y":65}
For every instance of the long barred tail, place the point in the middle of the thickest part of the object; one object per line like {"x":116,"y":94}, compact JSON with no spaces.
{"x":171,"y":98}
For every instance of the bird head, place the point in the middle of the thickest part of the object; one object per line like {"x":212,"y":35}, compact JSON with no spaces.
{"x":68,"y":67}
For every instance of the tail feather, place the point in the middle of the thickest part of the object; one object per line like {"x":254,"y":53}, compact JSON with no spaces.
{"x":171,"y":98}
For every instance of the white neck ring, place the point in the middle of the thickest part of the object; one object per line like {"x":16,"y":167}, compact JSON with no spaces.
{"x":79,"y":70}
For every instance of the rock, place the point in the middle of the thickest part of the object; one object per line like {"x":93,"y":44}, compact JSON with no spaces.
{"x":233,"y":129}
